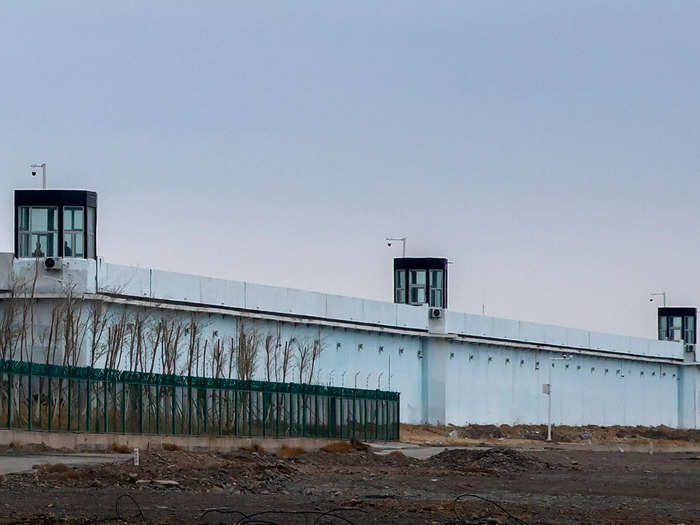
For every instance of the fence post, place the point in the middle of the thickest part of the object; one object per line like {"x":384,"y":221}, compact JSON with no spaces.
{"x":277,"y":411}
{"x":189,"y":405}
{"x":250,"y":410}
{"x":70,"y":398}
{"x":87,"y":404}
{"x":158,"y":404}
{"x":31,"y":398}
{"x":398,"y":419}
{"x":50,"y":410}
{"x":342,"y":414}
{"x":206,"y":410}
{"x":123,"y":405}
{"x":105,"y":382}
{"x":174,"y":407}
{"x":291,"y":411}
{"x":220,"y":412}
{"x":376,"y":416}
{"x":9,"y":400}
{"x":316,"y":412}
{"x":365,"y":410}
{"x":353,"y":412}
{"x":235,"y":409}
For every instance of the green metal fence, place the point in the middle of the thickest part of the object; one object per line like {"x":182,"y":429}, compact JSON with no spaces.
{"x":80,"y":399}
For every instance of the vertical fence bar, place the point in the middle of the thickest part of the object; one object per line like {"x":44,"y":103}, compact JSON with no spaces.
{"x":104,"y":407}
{"x":376,"y":416}
{"x":31,"y":398}
{"x":364,"y":399}
{"x":250,"y":410}
{"x":189,"y":405}
{"x":123,"y":406}
{"x":174,"y":425}
{"x":50,"y":410}
{"x":140,"y":406}
{"x":9,"y":400}
{"x":277,"y":412}
{"x":157,"y":404}
{"x":70,"y":399}
{"x":87,"y":405}
{"x":235,"y":410}
{"x":220,"y":412}
{"x":316,"y":413}
{"x":342,"y":415}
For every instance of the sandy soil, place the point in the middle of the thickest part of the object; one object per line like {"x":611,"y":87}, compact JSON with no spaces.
{"x":534,"y":486}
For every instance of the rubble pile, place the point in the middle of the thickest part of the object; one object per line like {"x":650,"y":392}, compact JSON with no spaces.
{"x":240,"y":473}
{"x":493,"y":460}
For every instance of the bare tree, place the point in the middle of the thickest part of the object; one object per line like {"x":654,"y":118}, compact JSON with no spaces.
{"x":247,"y":350}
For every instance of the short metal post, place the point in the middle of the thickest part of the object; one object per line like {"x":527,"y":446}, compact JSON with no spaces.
{"x":158,"y":404}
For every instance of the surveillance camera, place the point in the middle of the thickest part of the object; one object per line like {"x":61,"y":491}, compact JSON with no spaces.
{"x":388,"y":244}
{"x":33,"y":173}
{"x":651,"y":300}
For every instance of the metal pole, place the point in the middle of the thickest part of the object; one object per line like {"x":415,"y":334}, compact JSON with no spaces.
{"x":549,"y":404}
{"x":43,"y":175}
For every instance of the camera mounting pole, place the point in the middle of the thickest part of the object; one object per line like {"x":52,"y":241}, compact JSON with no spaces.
{"x":403,"y":243}
{"x":43,"y":173}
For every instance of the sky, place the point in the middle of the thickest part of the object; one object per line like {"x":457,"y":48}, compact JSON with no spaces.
{"x":549,"y":149}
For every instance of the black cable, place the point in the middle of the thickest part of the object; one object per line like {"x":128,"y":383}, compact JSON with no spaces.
{"x":138,"y":507}
{"x":320,"y":514}
{"x":466,"y":495}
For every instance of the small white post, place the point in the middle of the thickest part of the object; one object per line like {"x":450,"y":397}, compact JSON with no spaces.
{"x":136,"y":457}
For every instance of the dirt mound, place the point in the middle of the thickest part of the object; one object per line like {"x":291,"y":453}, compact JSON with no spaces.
{"x":493,"y":460}
{"x":241,"y":472}
{"x":560,"y":433}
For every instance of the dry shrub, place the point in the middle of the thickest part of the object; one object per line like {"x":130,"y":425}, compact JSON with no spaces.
{"x":120,"y":449}
{"x":338,"y":446}
{"x":14,"y":444}
{"x":55,"y":467}
{"x":290,"y":452}
{"x":254,"y":447}
{"x":172,"y":447}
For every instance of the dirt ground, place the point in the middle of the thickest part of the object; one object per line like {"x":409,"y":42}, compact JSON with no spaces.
{"x":362,"y":487}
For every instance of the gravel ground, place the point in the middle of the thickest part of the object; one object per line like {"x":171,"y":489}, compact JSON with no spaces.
{"x":545,"y":486}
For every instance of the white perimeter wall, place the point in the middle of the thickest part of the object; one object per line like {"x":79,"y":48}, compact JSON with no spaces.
{"x":495,"y":385}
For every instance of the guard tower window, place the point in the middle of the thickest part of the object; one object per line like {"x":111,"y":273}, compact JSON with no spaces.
{"x":38,"y":231}
{"x":400,"y":291}
{"x":91,"y":232}
{"x":416,"y":286}
{"x":436,"y":288}
{"x":677,"y":324}
{"x":73,"y":231}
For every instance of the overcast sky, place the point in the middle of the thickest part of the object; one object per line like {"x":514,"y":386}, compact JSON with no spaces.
{"x":550,"y":149}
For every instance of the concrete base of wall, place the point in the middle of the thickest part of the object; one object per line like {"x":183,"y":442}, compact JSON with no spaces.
{"x":102,"y":442}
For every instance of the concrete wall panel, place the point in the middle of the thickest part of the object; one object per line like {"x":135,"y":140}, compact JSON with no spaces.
{"x":341,"y":307}
{"x":123,"y":280}
{"x":378,"y":312}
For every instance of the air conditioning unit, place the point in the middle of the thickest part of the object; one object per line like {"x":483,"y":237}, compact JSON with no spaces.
{"x":53,"y":263}
{"x":435,"y":313}
{"x":690,"y":348}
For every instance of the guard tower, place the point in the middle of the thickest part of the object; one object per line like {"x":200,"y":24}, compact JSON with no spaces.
{"x":678,"y":324}
{"x":421,"y":280}
{"x":55,"y":224}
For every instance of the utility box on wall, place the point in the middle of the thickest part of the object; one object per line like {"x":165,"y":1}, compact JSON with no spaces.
{"x":421,"y":280}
